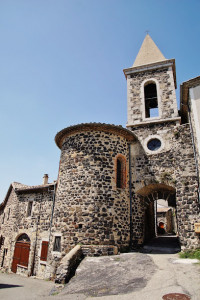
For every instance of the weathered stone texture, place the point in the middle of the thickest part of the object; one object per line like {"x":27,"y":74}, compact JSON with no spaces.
{"x":166,"y":94}
{"x":35,"y":226}
{"x":173,"y":166}
{"x":89,"y":208}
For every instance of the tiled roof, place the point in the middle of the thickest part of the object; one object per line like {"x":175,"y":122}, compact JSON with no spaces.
{"x":26,"y":188}
{"x":22,"y":188}
{"x":17,"y":185}
{"x":149,"y":53}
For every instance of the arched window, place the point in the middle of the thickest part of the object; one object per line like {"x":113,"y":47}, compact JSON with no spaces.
{"x":151,"y":100}
{"x":120,"y":172}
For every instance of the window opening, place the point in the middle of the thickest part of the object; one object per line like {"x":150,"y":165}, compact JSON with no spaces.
{"x":5,"y":251}
{"x":121,"y":173}
{"x":154,"y":144}
{"x":29,"y":210}
{"x":3,"y":218}
{"x":8,"y":214}
{"x":1,"y":241}
{"x":151,"y":101}
{"x":44,"y":251}
{"x":57,"y":244}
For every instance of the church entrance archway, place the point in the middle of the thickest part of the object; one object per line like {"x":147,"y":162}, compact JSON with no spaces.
{"x":21,"y":252}
{"x":159,"y":210}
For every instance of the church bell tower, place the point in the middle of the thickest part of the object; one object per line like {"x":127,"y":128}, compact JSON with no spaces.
{"x":151,"y":84}
{"x":152,"y":107}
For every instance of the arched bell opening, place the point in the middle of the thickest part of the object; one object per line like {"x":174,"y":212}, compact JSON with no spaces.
{"x":151,"y":100}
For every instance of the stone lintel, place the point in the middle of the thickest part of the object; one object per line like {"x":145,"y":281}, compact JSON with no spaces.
{"x":155,"y":122}
{"x":153,"y":66}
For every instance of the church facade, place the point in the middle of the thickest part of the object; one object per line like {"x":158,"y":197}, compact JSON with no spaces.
{"x":111,"y":178}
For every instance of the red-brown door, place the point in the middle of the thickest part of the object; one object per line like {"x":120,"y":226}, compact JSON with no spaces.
{"x":21,"y":255}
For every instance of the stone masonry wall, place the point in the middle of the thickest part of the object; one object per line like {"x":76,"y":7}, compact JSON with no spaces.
{"x":35,"y":226}
{"x":173,"y":166}
{"x":89,"y":208}
{"x":8,"y":226}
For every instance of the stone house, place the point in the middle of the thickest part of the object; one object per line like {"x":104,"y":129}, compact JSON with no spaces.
{"x":190,"y":112}
{"x":110,"y":177}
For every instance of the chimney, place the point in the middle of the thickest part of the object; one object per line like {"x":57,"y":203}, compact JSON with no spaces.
{"x":45,"y":179}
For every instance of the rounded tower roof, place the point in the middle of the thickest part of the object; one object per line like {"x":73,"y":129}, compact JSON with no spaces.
{"x":115,"y":129}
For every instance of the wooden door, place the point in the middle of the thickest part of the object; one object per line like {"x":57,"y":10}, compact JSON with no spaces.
{"x":21,"y":255}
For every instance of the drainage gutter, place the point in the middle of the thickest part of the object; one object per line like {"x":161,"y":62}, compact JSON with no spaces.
{"x":130,"y":195}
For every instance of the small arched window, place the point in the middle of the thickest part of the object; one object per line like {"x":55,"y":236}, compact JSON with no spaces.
{"x":151,"y":100}
{"x":121,"y":172}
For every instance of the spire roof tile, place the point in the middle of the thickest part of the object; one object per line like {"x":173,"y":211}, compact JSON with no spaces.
{"x":148,"y":53}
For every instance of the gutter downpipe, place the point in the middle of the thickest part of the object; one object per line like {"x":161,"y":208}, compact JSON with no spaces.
{"x":35,"y":246}
{"x":53,"y":205}
{"x":130,"y":195}
{"x":51,"y":221}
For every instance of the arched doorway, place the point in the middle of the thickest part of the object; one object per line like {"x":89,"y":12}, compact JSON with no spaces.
{"x":159,"y":210}
{"x":21,"y":252}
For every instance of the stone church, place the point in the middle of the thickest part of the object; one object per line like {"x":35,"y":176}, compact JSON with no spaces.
{"x":111,"y":179}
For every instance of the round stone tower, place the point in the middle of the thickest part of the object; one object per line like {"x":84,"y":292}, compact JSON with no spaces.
{"x":92,"y":198}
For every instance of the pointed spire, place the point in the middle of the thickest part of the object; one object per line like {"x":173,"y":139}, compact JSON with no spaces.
{"x":149,"y":53}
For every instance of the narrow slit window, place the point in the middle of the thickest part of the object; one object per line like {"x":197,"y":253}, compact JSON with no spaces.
{"x":57,"y":244}
{"x":29,"y":209}
{"x":121,"y":172}
{"x":151,"y":101}
{"x":8,"y":214}
{"x":3,"y":218}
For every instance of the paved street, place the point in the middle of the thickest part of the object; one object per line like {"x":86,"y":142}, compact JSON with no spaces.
{"x":16,"y":287}
{"x":122,"y":277}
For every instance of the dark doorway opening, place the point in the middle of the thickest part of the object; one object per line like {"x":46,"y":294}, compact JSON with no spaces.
{"x":160,"y":221}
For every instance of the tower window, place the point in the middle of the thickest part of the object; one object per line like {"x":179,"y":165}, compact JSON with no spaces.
{"x":151,"y":100}
{"x":154,"y":144}
{"x":120,"y":172}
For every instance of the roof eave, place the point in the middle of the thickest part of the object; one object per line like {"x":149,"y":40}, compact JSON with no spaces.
{"x":153,"y":66}
{"x":116,"y":129}
{"x":35,"y":189}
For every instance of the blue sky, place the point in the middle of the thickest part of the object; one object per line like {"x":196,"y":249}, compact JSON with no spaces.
{"x":62,"y":61}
